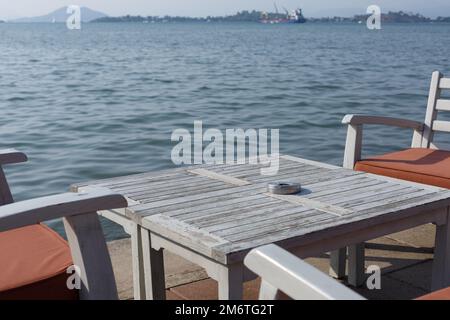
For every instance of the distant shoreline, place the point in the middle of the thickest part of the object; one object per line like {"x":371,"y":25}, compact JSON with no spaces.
{"x":331,"y":22}
{"x":255,"y":16}
{"x":88,"y":16}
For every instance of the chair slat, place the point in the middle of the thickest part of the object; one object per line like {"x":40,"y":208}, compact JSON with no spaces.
{"x":441,"y":126}
{"x":444,"y":83}
{"x":443,"y":105}
{"x":431,"y":114}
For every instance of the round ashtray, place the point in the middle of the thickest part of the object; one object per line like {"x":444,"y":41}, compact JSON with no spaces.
{"x":284,"y":188}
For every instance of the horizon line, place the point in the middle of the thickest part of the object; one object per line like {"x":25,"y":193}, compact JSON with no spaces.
{"x":222,"y":15}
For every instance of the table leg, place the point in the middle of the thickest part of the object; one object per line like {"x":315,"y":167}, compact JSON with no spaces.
{"x":155,"y":287}
{"x":441,"y":263}
{"x":356,"y":270}
{"x":230,"y":281}
{"x":138,"y":263}
{"x":338,"y":259}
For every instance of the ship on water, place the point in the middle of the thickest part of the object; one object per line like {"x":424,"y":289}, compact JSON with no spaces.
{"x":295,"y":16}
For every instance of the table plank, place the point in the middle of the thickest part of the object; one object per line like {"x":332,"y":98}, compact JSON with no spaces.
{"x":219,"y":176}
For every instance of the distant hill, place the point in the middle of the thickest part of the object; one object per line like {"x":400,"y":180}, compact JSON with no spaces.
{"x":61,"y":15}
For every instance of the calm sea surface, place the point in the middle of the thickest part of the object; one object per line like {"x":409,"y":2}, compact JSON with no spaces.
{"x":103,"y":101}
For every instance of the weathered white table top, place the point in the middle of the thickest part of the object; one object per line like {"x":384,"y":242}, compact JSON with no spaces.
{"x":223,"y":211}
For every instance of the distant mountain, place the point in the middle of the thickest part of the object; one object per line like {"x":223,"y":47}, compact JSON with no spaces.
{"x":61,"y":15}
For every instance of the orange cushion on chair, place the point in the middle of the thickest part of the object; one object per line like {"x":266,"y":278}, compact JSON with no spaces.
{"x":421,"y":165}
{"x":443,"y":294}
{"x":33,"y":264}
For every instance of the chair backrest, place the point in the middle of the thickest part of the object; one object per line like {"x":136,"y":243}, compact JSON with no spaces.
{"x":9,"y":156}
{"x":435,"y":104}
{"x":283,"y":272}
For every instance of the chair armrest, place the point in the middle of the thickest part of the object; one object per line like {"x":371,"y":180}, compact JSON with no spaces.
{"x":9,"y":156}
{"x":37,"y":210}
{"x":362,"y":119}
{"x":294,"y":277}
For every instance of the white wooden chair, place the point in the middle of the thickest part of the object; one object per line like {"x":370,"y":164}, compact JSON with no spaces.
{"x":84,"y":233}
{"x":423,"y":138}
{"x":281,"y":271}
{"x":284,"y":274}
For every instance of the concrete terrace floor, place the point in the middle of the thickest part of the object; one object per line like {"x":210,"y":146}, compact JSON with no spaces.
{"x":405,"y":259}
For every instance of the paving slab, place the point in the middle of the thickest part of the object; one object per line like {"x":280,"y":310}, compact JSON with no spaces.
{"x":387,"y":253}
{"x":178,"y":271}
{"x":420,"y":237}
{"x":418,"y":275}
{"x":207,"y":290}
{"x":392,"y":289}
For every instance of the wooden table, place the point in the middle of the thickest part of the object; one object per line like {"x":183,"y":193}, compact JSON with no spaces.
{"x":213,"y":216}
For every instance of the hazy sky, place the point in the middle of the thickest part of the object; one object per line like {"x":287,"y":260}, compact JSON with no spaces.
{"x":313,"y":8}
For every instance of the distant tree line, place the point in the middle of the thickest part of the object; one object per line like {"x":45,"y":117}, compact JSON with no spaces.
{"x":255,"y":16}
{"x":390,"y":17}
{"x":242,"y":16}
{"x":398,"y":17}
{"x":443,"y":19}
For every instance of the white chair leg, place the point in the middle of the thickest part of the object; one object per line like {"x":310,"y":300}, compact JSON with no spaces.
{"x":90,"y":254}
{"x":267,"y":291}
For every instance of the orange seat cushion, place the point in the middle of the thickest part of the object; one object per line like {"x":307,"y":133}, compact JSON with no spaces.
{"x":443,"y":294}
{"x":421,"y":165}
{"x":33,"y":264}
